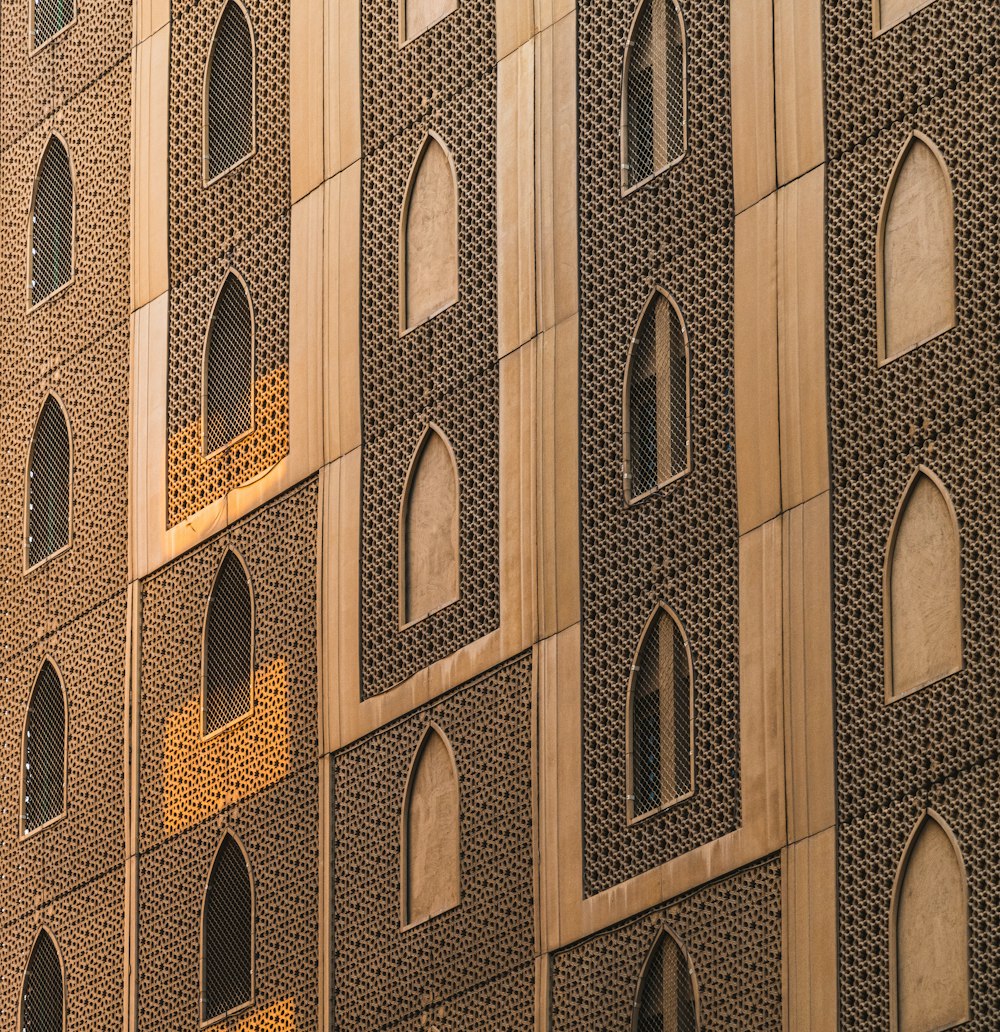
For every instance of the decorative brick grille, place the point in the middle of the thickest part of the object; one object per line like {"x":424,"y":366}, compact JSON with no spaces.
{"x":229,"y":368}
{"x":228,"y":931}
{"x":228,"y":647}
{"x":52,"y":223}
{"x":229,"y":102}
{"x":49,"y":476}
{"x":45,"y":751}
{"x":42,"y":1006}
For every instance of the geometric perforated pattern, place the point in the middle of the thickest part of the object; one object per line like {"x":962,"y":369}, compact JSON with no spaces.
{"x":45,"y":751}
{"x":229,"y":367}
{"x":228,"y":647}
{"x":681,"y":544}
{"x":228,"y":931}
{"x":230,"y":92}
{"x":655,"y":102}
{"x":42,"y":1003}
{"x":445,"y":370}
{"x":49,"y":17}
{"x":657,"y":400}
{"x":52,"y":223}
{"x":48,"y":484}
{"x":666,"y":997}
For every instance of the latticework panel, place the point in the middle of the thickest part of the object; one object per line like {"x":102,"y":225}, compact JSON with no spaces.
{"x":187,"y":778}
{"x":229,"y":103}
{"x":52,"y":223}
{"x":385,"y":977}
{"x":445,"y":370}
{"x":675,"y":233}
{"x":278,"y":827}
{"x":732,"y":933}
{"x":44,"y":767}
{"x":227,"y":933}
{"x":49,"y":484}
{"x":228,"y":666}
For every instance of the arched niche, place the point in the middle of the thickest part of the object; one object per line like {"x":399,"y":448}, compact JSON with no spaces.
{"x":916,"y":251}
{"x":430,"y":861}
{"x":52,"y":223}
{"x":929,"y":932}
{"x":43,"y":989}
{"x":230,"y":93}
{"x":417,"y":16}
{"x":429,"y":535}
{"x":922,"y":589}
{"x":228,"y":367}
{"x":49,"y":485}
{"x":667,"y":994}
{"x":44,"y":743}
{"x":428,"y":248}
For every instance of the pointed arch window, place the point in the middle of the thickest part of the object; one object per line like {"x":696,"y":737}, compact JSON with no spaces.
{"x":230,"y":84}
{"x":48,"y":487}
{"x":227,"y":983}
{"x":43,"y":766}
{"x":430,"y":869}
{"x":229,"y":367}
{"x":43,"y":1004}
{"x":667,"y":998}
{"x":228,"y":663}
{"x":654,"y":92}
{"x":929,"y":932}
{"x":657,"y":423}
{"x":52,"y":213}
{"x":916,"y":251}
{"x":660,"y":732}
{"x":49,"y":18}
{"x":922,"y":588}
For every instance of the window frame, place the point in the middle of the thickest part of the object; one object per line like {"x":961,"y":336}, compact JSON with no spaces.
{"x":31,"y":306}
{"x":34,"y":48}
{"x":23,"y":834}
{"x":28,"y":567}
{"x":664,"y":932}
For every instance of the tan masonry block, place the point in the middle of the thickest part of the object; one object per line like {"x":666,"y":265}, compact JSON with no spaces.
{"x":306,"y":95}
{"x":325,"y":959}
{"x":798,"y":87}
{"x":148,"y":18}
{"x":805,"y":468}
{"x":515,"y":25}
{"x":752,"y":36}
{"x":342,"y":77}
{"x":808,"y":663}
{"x":548,"y":12}
{"x":758,"y":475}
{"x":150,"y":81}
{"x":809,"y":934}
{"x":516,"y":198}
{"x":555,"y":128}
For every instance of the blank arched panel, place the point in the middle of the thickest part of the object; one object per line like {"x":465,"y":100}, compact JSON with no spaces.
{"x":429,"y":530}
{"x":51,"y":258}
{"x":229,"y":93}
{"x":44,"y":760}
{"x":429,"y":248}
{"x":43,"y":1006}
{"x":667,"y":1000}
{"x":420,"y":15}
{"x":49,"y":469}
{"x":923,"y":585}
{"x":916,"y":251}
{"x":229,"y":367}
{"x":431,"y":864}
{"x":228,"y":665}
{"x":227,"y":934}
{"x":930,"y":933}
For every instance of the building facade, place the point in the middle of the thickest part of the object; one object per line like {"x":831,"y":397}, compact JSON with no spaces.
{"x":500,"y":517}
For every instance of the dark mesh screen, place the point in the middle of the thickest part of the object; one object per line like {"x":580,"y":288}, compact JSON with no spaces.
{"x":228,"y":646}
{"x":50,"y":17}
{"x":42,"y":998}
{"x":52,"y":224}
{"x":228,"y":931}
{"x":48,"y":484}
{"x":44,"y":751}
{"x":229,"y":376}
{"x":655,"y":112}
{"x":230,"y":93}
{"x":657,"y":399}
{"x":661,"y":718}
{"x":666,"y":1001}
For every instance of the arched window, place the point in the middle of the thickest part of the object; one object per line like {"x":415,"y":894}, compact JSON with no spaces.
{"x":43,"y":1006}
{"x":430,"y":872}
{"x":428,"y":250}
{"x":419,"y":15}
{"x":229,"y":367}
{"x":44,"y":752}
{"x":660,"y":736}
{"x":230,"y":132}
{"x":922,"y":588}
{"x":49,"y":18}
{"x":667,"y":1000}
{"x":428,"y":526}
{"x":654,"y":92}
{"x":929,"y":932}
{"x":48,"y":488}
{"x":228,"y":663}
{"x":51,"y":258}
{"x":657,"y":431}
{"x":227,"y":947}
{"x":916,"y":251}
